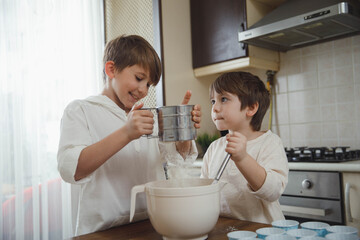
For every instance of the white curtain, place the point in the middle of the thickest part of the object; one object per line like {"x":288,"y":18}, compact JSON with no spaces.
{"x":50,"y":54}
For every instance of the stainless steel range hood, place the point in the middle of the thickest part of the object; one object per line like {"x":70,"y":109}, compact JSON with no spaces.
{"x":298,"y":23}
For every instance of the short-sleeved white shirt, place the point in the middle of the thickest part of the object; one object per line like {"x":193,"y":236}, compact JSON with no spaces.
{"x":238,"y":200}
{"x":104,"y":199}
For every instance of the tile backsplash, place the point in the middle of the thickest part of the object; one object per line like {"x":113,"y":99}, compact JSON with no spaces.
{"x":317,"y":95}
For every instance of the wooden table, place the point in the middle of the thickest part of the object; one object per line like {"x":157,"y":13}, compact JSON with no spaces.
{"x":144,"y":230}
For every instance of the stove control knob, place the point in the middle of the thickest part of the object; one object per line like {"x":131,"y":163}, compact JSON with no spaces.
{"x":306,"y":184}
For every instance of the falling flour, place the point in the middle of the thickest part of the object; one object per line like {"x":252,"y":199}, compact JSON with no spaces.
{"x":180,"y":171}
{"x":231,"y":228}
{"x":176,"y":168}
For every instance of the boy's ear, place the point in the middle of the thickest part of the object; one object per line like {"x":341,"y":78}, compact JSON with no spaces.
{"x":252,"y":109}
{"x":110,"y":69}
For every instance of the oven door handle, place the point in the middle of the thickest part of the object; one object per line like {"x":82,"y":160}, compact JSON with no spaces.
{"x":347,"y":202}
{"x":304,"y":210}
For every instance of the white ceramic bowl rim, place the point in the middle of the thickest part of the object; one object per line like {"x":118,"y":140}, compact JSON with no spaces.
{"x":285,"y":223}
{"x":315,"y":225}
{"x":341,"y":236}
{"x":340,"y":229}
{"x":182,"y":187}
{"x":237,"y":234}
{"x":280,"y":237}
{"x":301,"y":232}
{"x":270,"y":230}
{"x":312,"y":238}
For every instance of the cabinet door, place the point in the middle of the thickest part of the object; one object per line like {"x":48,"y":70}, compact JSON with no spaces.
{"x":214,"y":30}
{"x":352,"y":180}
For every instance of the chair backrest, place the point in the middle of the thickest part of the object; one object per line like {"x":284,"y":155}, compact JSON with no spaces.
{"x":54,"y":210}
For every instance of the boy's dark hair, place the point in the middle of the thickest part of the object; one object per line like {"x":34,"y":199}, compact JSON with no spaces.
{"x":126,"y":51}
{"x":249,"y":89}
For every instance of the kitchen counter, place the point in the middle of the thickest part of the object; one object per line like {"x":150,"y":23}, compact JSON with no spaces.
{"x":144,"y":230}
{"x":350,"y":166}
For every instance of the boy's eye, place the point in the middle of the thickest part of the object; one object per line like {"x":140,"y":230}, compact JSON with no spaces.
{"x":224,"y":99}
{"x":138,"y":78}
{"x":212,"y":101}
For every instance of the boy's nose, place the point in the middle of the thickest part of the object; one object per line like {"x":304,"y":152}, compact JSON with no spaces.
{"x":215,"y":107}
{"x":143,"y":89}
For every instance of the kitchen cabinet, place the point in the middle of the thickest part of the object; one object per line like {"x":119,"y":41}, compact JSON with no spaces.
{"x":273,"y":3}
{"x":351,"y":186}
{"x":214,"y":36}
{"x":214,"y":31}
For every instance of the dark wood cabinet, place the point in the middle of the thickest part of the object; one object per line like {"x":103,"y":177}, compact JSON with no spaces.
{"x":215,"y":25}
{"x":214,"y":30}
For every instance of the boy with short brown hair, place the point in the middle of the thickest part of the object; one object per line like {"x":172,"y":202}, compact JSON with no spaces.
{"x":101,"y":148}
{"x":257,"y":174}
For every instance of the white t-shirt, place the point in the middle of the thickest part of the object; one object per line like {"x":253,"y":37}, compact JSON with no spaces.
{"x":104,"y":198}
{"x":238,"y":200}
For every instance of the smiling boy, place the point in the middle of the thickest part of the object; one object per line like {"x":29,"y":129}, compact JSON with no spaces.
{"x":257,"y":174}
{"x":101,"y":148}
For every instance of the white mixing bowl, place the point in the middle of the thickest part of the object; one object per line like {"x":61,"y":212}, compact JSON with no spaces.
{"x":181,"y":208}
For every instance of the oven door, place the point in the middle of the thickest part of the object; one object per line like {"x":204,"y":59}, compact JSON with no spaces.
{"x":313,"y":196}
{"x":308,"y":209}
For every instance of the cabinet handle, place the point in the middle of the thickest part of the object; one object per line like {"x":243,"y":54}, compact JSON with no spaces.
{"x":304,"y":210}
{"x":347,"y":202}
{"x":243,"y":45}
{"x":242,"y":26}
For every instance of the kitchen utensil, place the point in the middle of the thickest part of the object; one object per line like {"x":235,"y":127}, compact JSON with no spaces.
{"x":181,"y":208}
{"x":222,"y":168}
{"x":269,"y":231}
{"x":298,"y":233}
{"x":285,"y":224}
{"x":312,"y":238}
{"x":174,"y":123}
{"x":280,"y":237}
{"x":238,"y":235}
{"x":319,"y":227}
{"x":342,"y":229}
{"x":341,"y":236}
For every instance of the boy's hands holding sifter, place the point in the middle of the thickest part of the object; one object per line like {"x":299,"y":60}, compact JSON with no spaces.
{"x":196,"y":112}
{"x":184,"y":147}
{"x":236,"y":146}
{"x":140,"y":122}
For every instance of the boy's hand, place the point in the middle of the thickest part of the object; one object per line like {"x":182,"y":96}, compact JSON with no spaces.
{"x":236,"y":146}
{"x":196,"y":112}
{"x":184,"y":147}
{"x":140,"y":122}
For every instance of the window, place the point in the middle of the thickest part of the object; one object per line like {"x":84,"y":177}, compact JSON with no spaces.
{"x":140,"y":17}
{"x":50,"y":54}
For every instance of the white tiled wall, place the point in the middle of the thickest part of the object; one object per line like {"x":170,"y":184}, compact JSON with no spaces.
{"x":317,"y":99}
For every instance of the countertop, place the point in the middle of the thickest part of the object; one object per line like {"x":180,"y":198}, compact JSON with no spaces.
{"x":349,"y":166}
{"x":144,"y":230}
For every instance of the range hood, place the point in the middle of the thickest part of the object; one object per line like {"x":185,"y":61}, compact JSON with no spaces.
{"x":299,"y":23}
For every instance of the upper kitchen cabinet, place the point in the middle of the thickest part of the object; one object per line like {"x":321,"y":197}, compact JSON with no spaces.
{"x":214,"y":31}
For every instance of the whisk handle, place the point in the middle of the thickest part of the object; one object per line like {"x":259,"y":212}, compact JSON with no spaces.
{"x":222,"y":167}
